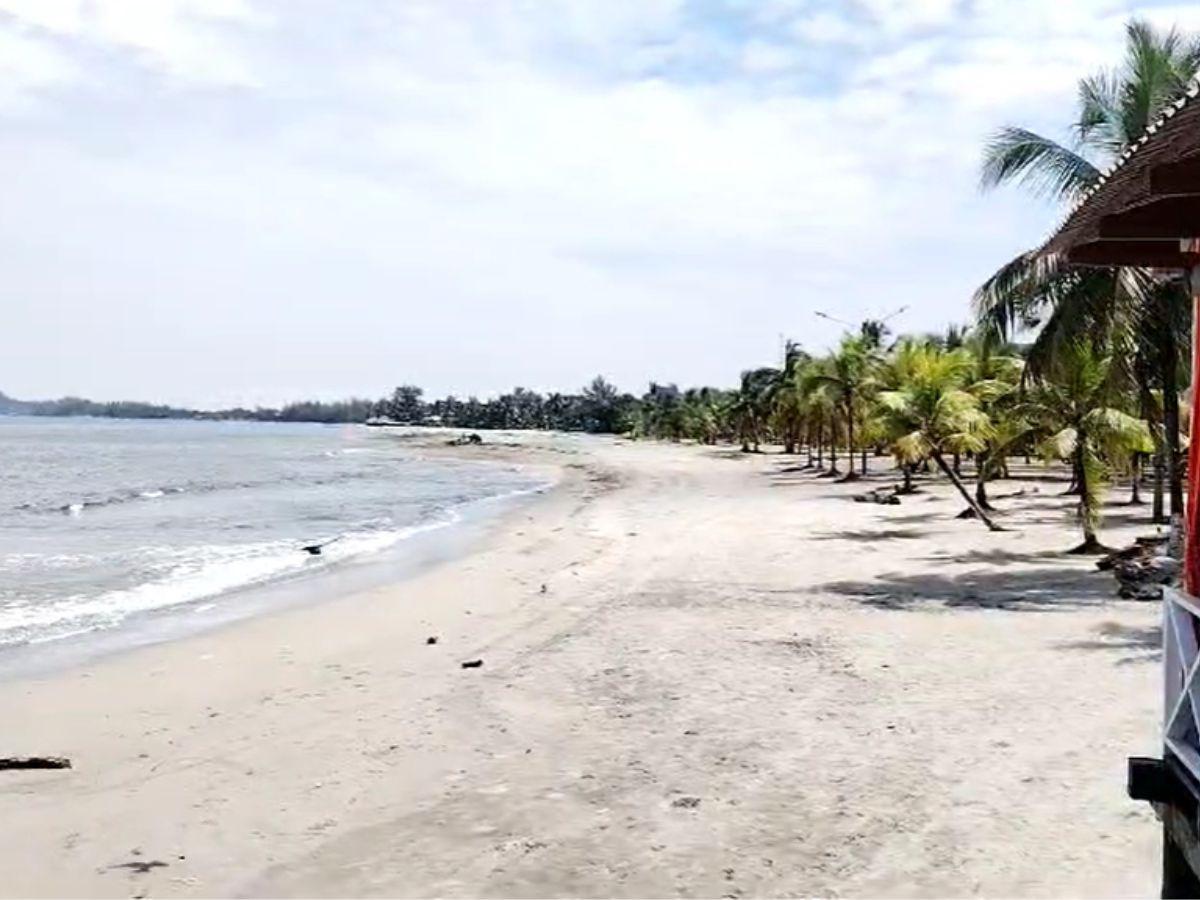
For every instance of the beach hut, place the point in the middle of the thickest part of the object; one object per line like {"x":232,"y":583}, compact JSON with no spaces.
{"x":1145,"y":211}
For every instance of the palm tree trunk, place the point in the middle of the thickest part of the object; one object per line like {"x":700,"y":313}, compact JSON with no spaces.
{"x":833,"y":449}
{"x":1135,"y":494}
{"x":954,"y":479}
{"x":1091,"y":541}
{"x":1073,"y":487}
{"x":820,"y":443}
{"x":982,"y":472}
{"x":981,"y":497}
{"x":1156,"y":514}
{"x":850,"y":473}
{"x":1170,"y":386}
{"x":863,"y":461}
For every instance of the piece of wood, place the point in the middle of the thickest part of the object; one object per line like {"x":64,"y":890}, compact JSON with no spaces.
{"x":34,"y":762}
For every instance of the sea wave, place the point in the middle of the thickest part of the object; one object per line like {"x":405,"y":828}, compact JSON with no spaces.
{"x":186,"y":575}
{"x":211,"y":571}
{"x":80,"y":505}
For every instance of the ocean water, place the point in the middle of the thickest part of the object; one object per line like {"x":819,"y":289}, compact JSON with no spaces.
{"x":103,"y":521}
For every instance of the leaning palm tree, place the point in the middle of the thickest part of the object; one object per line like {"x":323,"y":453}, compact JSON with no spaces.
{"x":1081,"y":412}
{"x":1115,"y":108}
{"x":932,"y":413}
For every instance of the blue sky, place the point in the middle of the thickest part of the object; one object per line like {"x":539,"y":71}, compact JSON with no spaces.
{"x":242,"y":201}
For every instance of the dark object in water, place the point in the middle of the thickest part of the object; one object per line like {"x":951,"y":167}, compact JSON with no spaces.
{"x":315,"y":549}
{"x":431,"y":640}
{"x":34,"y":762}
{"x":472,"y":664}
{"x":466,"y":440}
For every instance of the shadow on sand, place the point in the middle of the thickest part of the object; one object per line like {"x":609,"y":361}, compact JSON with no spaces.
{"x":1140,"y":645}
{"x":1045,"y":589}
{"x":998,"y":557}
{"x":872,"y":534}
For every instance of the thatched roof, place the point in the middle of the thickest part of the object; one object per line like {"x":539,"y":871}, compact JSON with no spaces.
{"x":1142,"y":207}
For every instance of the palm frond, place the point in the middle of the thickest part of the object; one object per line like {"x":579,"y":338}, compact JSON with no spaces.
{"x":1060,"y":445}
{"x":1045,"y":166}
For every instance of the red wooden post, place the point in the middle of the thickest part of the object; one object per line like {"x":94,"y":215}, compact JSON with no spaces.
{"x":1191,"y":571}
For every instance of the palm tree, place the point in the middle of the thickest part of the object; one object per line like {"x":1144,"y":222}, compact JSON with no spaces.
{"x":702,"y":414}
{"x":994,"y":379}
{"x":847,"y":374}
{"x":1077,"y":405}
{"x":751,"y":406}
{"x":1115,"y":108}
{"x":786,"y":397}
{"x":931,"y":414}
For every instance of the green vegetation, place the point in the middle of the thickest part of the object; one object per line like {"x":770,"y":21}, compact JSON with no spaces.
{"x":1138,"y":318}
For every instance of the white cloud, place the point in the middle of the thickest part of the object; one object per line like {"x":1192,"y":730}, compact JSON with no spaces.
{"x":427,"y":190}
{"x":825,"y":27}
{"x":901,"y":16}
{"x":29,"y":66}
{"x":182,"y":37}
{"x":768,"y":57}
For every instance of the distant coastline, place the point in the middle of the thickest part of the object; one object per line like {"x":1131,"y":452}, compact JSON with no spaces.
{"x":597,"y":408}
{"x":353,"y":410}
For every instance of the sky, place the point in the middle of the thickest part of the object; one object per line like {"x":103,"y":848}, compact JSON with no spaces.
{"x":214,"y":202}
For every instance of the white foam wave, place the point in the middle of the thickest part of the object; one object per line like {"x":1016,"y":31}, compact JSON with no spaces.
{"x":203,"y":572}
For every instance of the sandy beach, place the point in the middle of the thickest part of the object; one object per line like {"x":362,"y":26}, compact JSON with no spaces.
{"x":702,"y":676}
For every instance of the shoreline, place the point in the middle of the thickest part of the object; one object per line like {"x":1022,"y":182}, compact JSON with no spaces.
{"x":702,"y":674}
{"x":428,"y":544}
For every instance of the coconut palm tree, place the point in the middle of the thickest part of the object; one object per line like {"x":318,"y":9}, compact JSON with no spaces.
{"x":1115,"y":107}
{"x":786,"y":397}
{"x":931,"y":413}
{"x":751,"y":406}
{"x":848,"y":376}
{"x":1079,"y":409}
{"x":994,"y":379}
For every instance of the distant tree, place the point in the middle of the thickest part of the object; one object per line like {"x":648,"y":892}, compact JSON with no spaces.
{"x":405,"y":404}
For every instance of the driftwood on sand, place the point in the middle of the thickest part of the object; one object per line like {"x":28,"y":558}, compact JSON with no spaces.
{"x":34,"y":762}
{"x":884,"y":496}
{"x":1142,"y":568}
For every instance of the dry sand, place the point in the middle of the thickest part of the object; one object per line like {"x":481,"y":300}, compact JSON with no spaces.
{"x":734,"y":682}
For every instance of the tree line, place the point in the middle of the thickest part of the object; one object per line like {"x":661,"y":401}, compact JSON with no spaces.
{"x":353,"y":410}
